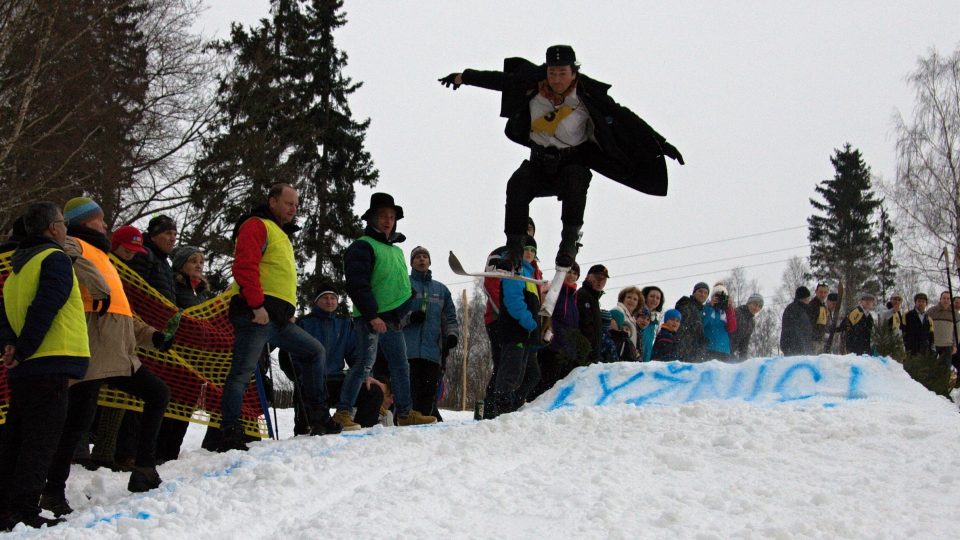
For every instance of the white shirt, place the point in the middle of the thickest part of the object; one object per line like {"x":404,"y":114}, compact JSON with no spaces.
{"x":560,"y":127}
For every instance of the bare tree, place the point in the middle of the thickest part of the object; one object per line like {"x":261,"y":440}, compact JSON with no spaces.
{"x":765,"y":340}
{"x":926,"y":191}
{"x":105,"y":98}
{"x":796,"y":273}
{"x":181,"y":78}
{"x":737,"y":286}
{"x":480,"y":361}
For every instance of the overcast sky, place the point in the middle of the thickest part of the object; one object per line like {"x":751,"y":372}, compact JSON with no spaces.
{"x":756,"y":95}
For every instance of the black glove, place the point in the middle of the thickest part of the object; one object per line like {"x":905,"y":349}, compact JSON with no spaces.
{"x":450,"y":80}
{"x":101,"y":306}
{"x":450,"y":343}
{"x":671,"y":152}
{"x":417,"y":317}
{"x":159,"y":343}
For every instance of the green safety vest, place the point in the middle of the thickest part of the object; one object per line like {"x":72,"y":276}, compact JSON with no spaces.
{"x":390,"y":281}
{"x":68,"y":333}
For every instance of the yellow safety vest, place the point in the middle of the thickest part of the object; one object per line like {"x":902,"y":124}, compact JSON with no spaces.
{"x":278,"y":267}
{"x":67,"y":335}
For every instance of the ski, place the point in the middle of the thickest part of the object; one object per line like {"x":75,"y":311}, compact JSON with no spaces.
{"x":501,"y":274}
{"x":550,"y":300}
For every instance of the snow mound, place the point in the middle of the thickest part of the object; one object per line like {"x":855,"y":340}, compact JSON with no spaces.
{"x":879,"y":461}
{"x":825,"y":380}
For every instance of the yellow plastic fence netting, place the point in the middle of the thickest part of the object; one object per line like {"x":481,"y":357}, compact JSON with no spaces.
{"x":194,"y":368}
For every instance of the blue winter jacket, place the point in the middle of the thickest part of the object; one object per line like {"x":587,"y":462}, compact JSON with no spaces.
{"x":649,"y":335}
{"x":514,"y":300}
{"x":425,"y":340}
{"x":715,"y":329}
{"x":339,"y":339}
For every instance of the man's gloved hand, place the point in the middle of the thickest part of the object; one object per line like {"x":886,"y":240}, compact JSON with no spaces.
{"x":417,"y":317}
{"x":160,"y":343}
{"x":671,"y":152}
{"x":451,"y":80}
{"x":450,"y":343}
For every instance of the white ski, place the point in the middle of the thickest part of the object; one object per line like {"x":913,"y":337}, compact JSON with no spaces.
{"x":501,"y":274}
{"x":550,"y":301}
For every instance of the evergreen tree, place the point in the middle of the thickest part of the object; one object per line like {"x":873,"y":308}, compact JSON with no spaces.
{"x":843,"y":243}
{"x":284,"y":117}
{"x":886,"y":276}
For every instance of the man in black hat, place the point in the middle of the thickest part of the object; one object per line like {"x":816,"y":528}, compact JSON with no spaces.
{"x":379,"y":287}
{"x":691,"y":339}
{"x":571,"y":126}
{"x":588,"y":307}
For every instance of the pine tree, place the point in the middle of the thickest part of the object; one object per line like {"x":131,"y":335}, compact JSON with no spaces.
{"x":885,"y":279}
{"x":843,"y":242}
{"x":284,"y":117}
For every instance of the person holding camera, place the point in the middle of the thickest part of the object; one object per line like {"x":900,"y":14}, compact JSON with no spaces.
{"x":719,"y":322}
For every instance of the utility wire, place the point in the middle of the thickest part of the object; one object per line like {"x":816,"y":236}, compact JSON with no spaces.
{"x":668,"y":250}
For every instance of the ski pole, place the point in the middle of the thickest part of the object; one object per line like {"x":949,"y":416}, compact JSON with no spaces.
{"x":273,"y":403}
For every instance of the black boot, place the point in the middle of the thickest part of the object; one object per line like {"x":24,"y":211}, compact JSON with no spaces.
{"x":30,"y":519}
{"x":322,"y":424}
{"x":232,"y":439}
{"x":143,"y":479}
{"x":56,"y":503}
{"x":569,"y":247}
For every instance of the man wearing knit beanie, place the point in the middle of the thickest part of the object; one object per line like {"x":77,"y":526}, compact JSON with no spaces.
{"x":419,"y":250}
{"x":81,"y":210}
{"x":154,"y":266}
{"x":796,"y":327}
{"x":431,"y":333}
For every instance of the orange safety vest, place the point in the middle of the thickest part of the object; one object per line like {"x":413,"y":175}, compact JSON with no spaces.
{"x":118,"y":298}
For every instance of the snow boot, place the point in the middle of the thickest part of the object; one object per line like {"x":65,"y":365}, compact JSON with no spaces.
{"x":143,"y":479}
{"x":414,"y":418}
{"x":30,"y":519}
{"x":232,"y":439}
{"x":322,"y":424}
{"x":345,"y":419}
{"x":56,"y":503}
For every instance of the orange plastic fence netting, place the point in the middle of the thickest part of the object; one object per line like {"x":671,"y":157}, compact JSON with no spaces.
{"x":194,"y":368}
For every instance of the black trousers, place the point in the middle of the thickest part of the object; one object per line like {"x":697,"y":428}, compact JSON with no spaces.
{"x":170,"y":438}
{"x":83,"y":405}
{"x":368,"y":401}
{"x":493,"y":333}
{"x":424,"y":382}
{"x":38,"y":410}
{"x":566,"y":179}
{"x":519,"y":373}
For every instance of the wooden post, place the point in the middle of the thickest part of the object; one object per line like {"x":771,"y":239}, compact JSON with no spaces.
{"x":466,"y":349}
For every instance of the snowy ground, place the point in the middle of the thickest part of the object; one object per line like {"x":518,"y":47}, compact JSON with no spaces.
{"x":838,"y":448}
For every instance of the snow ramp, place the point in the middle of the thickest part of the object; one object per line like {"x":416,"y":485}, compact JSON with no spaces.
{"x":824,"y":381}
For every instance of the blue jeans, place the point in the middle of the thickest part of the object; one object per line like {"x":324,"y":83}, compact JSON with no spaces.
{"x":249,"y":339}
{"x":395,"y":351}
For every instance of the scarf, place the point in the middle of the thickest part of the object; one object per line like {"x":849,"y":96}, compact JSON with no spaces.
{"x":555,"y":98}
